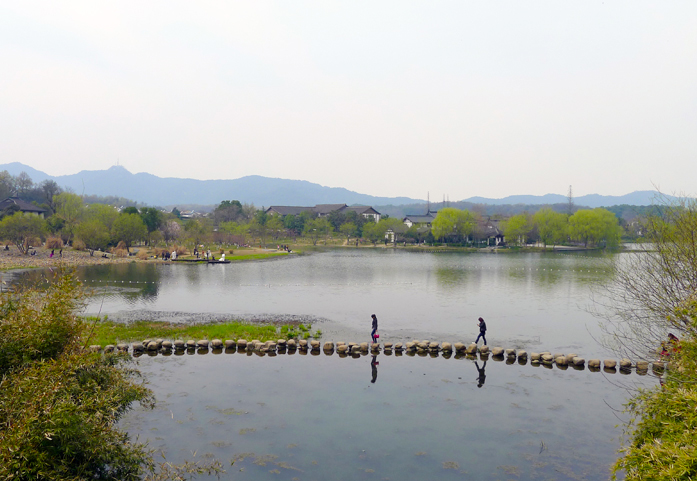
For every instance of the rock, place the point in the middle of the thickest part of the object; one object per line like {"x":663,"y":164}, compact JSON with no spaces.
{"x":423,"y":345}
{"x":216,"y":344}
{"x":610,"y":363}
{"x":561,"y":361}
{"x":642,"y":366}
{"x":95,"y":348}
{"x":658,"y":366}
{"x":364,"y":347}
{"x":302,"y":343}
{"x":230,"y":343}
{"x":375,"y":347}
{"x":471,"y":349}
{"x":328,"y":346}
{"x":110,"y":348}
{"x":388,"y":345}
{"x":179,"y":344}
{"x":594,"y":363}
{"x":314,"y":344}
{"x":558,"y":354}
{"x":137,"y":347}
{"x":271,"y":347}
{"x":510,"y":352}
{"x":547,"y":359}
{"x":535,"y":356}
{"x":291,"y":344}
{"x":496,"y":351}
{"x":522,"y":354}
{"x":544,"y":352}
{"x":625,"y":363}
{"x":191,"y":344}
{"x":342,"y":348}
{"x":484,"y":349}
{"x":433,"y":346}
{"x":570,"y":358}
{"x":398,"y":346}
{"x":410,"y":346}
{"x":122,"y":347}
{"x":281,"y":343}
{"x":167,"y":345}
{"x":159,"y":343}
{"x":203,"y":343}
{"x":578,"y":361}
{"x":459,"y":347}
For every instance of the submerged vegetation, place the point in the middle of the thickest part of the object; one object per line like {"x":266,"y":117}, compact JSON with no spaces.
{"x":105,"y":332}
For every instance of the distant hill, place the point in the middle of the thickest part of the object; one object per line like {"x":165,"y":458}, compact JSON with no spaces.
{"x":639,"y":197}
{"x":266,"y":191}
{"x":153,"y":190}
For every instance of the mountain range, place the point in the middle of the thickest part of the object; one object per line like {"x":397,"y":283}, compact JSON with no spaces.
{"x":266,"y":191}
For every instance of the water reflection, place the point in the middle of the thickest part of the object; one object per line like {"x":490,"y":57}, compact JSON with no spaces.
{"x":482,"y":374}
{"x":374,"y":368}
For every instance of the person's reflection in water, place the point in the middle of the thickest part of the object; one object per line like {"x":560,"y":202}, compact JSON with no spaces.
{"x":482,"y":374}
{"x":374,"y":365}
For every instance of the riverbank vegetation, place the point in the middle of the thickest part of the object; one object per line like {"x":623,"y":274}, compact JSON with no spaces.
{"x":104,"y":332}
{"x":87,"y":224}
{"x":60,"y":404}
{"x":654,"y":296}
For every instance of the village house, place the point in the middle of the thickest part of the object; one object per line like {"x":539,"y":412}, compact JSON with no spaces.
{"x":322,"y":210}
{"x":15,"y":203}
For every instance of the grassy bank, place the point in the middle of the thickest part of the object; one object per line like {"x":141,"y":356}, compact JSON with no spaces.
{"x":107,"y":332}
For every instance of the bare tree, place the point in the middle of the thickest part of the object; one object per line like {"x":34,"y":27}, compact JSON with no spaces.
{"x":655,"y":290}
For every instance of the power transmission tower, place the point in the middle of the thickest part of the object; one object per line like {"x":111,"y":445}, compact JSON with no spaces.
{"x":570,"y":198}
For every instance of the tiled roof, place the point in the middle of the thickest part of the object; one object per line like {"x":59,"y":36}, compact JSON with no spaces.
{"x":23,"y":205}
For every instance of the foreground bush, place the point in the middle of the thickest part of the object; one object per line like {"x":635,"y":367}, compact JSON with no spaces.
{"x":59,"y":404}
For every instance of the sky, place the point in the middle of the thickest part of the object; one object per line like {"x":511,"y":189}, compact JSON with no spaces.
{"x":391,"y":98}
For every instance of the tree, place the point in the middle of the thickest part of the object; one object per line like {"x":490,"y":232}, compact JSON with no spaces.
{"x":374,"y":231}
{"x":451,"y":222}
{"x":551,"y":226}
{"x":49,"y":189}
{"x":595,"y":226}
{"x":20,"y":229}
{"x":316,"y":228}
{"x":152,"y":218}
{"x":23,"y":183}
{"x":94,"y":234}
{"x":128,"y":228}
{"x":7,"y":185}
{"x":69,"y":208}
{"x":171,"y":230}
{"x":274,"y":225}
{"x":348,"y":229}
{"x":102,"y":213}
{"x":518,"y":227}
{"x":228,"y":211}
{"x":652,"y":294}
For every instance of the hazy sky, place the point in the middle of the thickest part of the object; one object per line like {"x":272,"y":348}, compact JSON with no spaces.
{"x":385,"y":98}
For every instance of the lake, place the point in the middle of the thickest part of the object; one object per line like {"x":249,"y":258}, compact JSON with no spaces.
{"x":321,"y":417}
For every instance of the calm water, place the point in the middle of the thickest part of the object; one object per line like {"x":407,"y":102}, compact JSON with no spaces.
{"x":320,"y":417}
{"x":532,"y":301}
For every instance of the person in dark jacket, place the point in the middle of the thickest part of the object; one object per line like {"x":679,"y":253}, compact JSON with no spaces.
{"x":482,"y":331}
{"x":375,"y":327}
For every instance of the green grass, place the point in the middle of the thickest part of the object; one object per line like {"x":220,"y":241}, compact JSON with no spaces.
{"x":107,"y":332}
{"x":246,"y":257}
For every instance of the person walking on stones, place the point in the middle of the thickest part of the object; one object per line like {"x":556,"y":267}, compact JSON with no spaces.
{"x":375,"y":328}
{"x":482,"y":331}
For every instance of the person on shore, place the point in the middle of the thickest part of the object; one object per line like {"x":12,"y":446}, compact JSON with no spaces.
{"x":375,"y":328}
{"x":51,"y":255}
{"x":482,"y":331}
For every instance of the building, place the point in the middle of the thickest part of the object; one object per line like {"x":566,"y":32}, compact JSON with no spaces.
{"x":420,"y":219}
{"x":322,"y":210}
{"x":15,"y":203}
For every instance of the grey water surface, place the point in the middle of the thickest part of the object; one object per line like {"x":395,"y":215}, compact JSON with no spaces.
{"x":322,"y":417}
